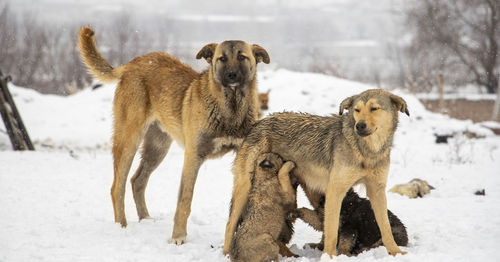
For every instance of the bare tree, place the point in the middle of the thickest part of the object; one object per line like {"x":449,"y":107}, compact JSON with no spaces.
{"x":72,"y":75}
{"x":31,"y":51}
{"x":121,"y":34}
{"x":8,"y":28}
{"x":463,"y":34}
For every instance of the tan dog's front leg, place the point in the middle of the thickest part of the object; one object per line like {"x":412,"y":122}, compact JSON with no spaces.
{"x":192,"y":163}
{"x":340,"y":181}
{"x":376,"y":192}
{"x":331,"y":221}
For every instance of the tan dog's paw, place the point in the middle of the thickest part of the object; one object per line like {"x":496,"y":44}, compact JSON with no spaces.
{"x":123,"y":223}
{"x":395,"y":252}
{"x":178,"y":240}
{"x":225,"y":251}
{"x":146,"y":218}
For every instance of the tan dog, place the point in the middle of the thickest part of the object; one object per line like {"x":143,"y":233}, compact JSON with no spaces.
{"x":413,"y":189}
{"x":331,"y":155}
{"x":264,"y":100}
{"x":264,"y":219}
{"x":159,"y":99}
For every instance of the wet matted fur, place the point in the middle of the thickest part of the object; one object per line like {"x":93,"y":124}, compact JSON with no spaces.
{"x":331,"y":154}
{"x":270,"y":198}
{"x":159,"y":99}
{"x":358,"y":230}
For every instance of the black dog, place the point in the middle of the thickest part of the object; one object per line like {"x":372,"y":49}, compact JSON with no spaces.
{"x":358,"y":230}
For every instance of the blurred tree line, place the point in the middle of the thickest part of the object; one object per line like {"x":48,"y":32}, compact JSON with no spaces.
{"x":456,"y":38}
{"x":46,"y":58}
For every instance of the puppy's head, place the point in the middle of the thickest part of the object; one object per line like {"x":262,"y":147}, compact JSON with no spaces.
{"x":268,"y":164}
{"x":374,"y":111}
{"x":233,"y":62}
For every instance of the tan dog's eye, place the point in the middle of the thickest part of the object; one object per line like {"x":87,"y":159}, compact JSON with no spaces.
{"x":241,"y":57}
{"x":374,"y":109}
{"x":222,"y":59}
{"x":357,"y":110}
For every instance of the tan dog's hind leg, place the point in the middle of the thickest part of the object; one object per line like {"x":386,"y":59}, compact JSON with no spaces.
{"x":192,"y":163}
{"x":126,"y":139}
{"x":155,"y":147}
{"x":243,"y":166}
{"x":375,"y":190}
{"x":240,"y":195}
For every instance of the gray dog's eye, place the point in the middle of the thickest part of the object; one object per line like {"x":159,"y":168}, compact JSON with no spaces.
{"x":223,"y":59}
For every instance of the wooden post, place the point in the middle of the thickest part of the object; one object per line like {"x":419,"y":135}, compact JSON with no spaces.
{"x":8,"y":121}
{"x":441,"y":93}
{"x":16,"y":130}
{"x":496,"y":108}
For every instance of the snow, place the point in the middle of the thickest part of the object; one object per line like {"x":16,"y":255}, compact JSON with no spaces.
{"x":56,"y":205}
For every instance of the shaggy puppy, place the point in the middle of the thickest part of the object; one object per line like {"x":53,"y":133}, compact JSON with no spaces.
{"x":259,"y":235}
{"x":358,"y":230}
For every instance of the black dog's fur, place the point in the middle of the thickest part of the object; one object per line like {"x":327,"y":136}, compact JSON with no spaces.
{"x":358,"y":230}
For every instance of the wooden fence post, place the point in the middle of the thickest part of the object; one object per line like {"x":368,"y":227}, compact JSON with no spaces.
{"x":16,"y":130}
{"x":441,"y":93}
{"x":496,"y":108}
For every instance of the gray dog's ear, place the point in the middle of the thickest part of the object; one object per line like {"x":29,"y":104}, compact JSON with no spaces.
{"x":347,"y":103}
{"x":400,"y":104}
{"x":260,"y":54}
{"x":207,"y":52}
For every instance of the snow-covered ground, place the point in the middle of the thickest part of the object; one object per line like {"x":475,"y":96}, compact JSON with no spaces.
{"x":55,"y":203}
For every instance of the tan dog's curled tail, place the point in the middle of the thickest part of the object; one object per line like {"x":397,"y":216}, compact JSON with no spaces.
{"x":96,"y":64}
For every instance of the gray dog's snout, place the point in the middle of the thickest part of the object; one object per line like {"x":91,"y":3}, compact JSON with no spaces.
{"x":360,"y":126}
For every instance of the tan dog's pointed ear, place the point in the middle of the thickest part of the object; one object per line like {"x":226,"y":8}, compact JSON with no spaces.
{"x":347,"y":103}
{"x":400,"y":104}
{"x":260,"y":54}
{"x":207,"y":52}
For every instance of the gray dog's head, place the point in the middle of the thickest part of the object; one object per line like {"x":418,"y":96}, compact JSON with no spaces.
{"x":374,"y":111}
{"x":233,"y":63}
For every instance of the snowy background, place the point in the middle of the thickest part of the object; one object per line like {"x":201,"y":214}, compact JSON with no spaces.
{"x":55,"y":202}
